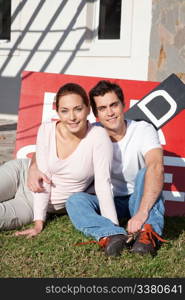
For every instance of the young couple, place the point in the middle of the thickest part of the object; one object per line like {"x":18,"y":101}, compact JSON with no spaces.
{"x":123,"y":160}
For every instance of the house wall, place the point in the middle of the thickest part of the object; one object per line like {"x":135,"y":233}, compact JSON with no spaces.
{"x":51,"y":36}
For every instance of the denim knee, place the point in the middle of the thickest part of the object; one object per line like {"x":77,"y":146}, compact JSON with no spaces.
{"x":74,"y":198}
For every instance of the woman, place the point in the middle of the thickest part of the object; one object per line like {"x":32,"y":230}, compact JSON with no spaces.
{"x":72,"y":153}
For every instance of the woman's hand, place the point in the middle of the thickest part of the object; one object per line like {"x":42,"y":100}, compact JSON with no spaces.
{"x":31,"y":232}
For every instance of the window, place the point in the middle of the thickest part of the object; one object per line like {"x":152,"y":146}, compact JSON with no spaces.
{"x":109,"y":19}
{"x":109,"y":28}
{"x":5,"y":19}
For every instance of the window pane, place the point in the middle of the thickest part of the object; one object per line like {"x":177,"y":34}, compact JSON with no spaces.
{"x":5,"y":19}
{"x":109,"y":19}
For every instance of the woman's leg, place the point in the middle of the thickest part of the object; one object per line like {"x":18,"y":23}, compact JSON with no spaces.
{"x":16,"y":204}
{"x":9,"y":179}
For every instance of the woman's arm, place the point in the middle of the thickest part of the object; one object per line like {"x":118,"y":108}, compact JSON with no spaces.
{"x":40,"y":200}
{"x":102,"y":159}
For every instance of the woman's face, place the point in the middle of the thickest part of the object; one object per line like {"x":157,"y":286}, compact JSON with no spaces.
{"x":73,"y":112}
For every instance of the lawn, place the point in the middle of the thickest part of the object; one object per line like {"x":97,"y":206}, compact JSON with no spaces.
{"x":54,"y":254}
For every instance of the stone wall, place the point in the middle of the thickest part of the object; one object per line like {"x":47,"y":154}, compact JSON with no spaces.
{"x":167,"y":41}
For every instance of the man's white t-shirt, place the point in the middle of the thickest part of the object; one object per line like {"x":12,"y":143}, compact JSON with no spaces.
{"x":128,"y":155}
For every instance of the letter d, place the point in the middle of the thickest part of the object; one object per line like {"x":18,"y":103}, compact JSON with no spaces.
{"x":158,"y":122}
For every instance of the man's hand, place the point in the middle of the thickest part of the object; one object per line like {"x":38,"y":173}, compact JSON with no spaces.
{"x":31,"y":232}
{"x":36,"y":178}
{"x":136,"y":222}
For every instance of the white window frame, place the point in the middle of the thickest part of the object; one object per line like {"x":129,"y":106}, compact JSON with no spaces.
{"x":112,"y":47}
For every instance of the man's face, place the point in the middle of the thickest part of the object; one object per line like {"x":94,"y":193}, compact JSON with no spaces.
{"x":110,"y":111}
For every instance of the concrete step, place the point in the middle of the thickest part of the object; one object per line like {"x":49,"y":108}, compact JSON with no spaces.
{"x":7,"y":139}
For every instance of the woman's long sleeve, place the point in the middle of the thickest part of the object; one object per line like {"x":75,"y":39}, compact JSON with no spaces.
{"x":42,"y":151}
{"x":102,"y":160}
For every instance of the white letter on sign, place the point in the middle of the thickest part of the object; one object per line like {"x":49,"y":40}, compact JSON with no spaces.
{"x":24,"y":151}
{"x":48,"y":112}
{"x":158,"y":122}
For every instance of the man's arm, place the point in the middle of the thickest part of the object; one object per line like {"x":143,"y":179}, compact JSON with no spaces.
{"x":36,"y":177}
{"x":154,"y":179}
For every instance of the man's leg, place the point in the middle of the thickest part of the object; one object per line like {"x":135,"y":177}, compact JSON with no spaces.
{"x":147,"y":240}
{"x":83,"y":210}
{"x":16,"y":204}
{"x":156,"y":214}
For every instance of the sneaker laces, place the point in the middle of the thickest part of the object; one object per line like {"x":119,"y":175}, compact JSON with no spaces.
{"x":102,"y":242}
{"x":148,"y":236}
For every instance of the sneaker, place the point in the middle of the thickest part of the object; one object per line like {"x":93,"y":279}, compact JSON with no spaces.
{"x":114,"y":244}
{"x":147,"y":241}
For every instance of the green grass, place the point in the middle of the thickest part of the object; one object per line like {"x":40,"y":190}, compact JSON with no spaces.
{"x":53,"y":254}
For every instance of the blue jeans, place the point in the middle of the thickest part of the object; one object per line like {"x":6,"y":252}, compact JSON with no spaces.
{"x":84,"y":211}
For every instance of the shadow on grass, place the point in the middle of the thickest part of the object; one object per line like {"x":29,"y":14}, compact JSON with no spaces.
{"x":52,"y":217}
{"x":173,"y":227}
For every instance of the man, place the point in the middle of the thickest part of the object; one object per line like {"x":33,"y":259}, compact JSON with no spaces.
{"x":136,"y":175}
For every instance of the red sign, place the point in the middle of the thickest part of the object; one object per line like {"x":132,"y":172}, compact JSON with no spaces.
{"x":37,"y":105}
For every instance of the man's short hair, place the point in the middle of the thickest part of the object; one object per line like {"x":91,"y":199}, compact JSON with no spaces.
{"x":103,"y":87}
